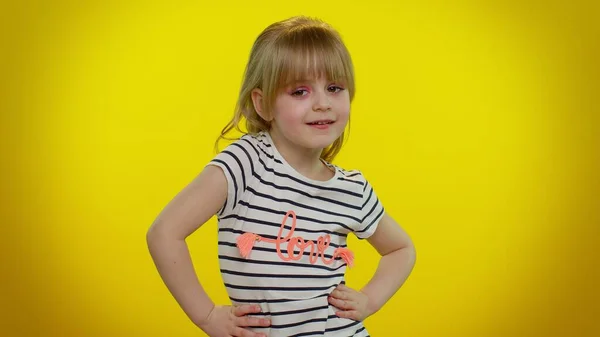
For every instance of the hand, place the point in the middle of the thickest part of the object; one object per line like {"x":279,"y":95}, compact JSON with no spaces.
{"x":353,"y":304}
{"x":228,"y":321}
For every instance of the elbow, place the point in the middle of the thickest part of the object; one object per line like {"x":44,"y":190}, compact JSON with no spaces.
{"x":411,"y":251}
{"x":160,"y":233}
{"x":151,"y":237}
{"x":409,"y":245}
{"x":408,"y":252}
{"x":158,"y":241}
{"x":154,"y":236}
{"x":152,"y":232}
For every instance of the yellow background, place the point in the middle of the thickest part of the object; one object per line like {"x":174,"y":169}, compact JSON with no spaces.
{"x":477,"y":125}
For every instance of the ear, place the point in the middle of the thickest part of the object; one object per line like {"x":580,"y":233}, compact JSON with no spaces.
{"x":257,"y":100}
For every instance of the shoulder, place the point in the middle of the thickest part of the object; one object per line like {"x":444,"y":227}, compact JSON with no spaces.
{"x":254,"y":144}
{"x":351,"y":175}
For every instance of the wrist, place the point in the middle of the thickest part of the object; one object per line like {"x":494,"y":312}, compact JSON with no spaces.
{"x":205,"y":317}
{"x":372,"y":304}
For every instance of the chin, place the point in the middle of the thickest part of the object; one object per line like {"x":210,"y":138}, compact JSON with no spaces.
{"x":320,"y":142}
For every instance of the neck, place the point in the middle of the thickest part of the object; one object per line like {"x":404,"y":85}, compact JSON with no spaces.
{"x":305,"y":161}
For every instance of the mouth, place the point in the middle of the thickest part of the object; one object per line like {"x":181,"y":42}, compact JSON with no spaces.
{"x":321,"y":122}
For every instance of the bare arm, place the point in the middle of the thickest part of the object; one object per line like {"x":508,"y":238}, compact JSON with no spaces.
{"x":187,"y":212}
{"x":398,"y":257}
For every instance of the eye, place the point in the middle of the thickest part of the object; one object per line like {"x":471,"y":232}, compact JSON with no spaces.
{"x":335,"y":88}
{"x":299,"y":92}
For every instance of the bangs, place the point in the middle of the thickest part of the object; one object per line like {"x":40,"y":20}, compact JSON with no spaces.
{"x":309,"y":53}
{"x":297,"y":49}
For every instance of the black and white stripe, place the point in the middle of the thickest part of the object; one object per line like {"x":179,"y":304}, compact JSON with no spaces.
{"x":261,"y":189}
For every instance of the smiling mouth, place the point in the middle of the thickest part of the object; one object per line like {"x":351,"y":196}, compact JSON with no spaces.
{"x":326,"y":122}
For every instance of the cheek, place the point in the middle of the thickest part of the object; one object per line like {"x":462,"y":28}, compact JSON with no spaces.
{"x":344,"y":111}
{"x":290,"y":114}
{"x":292,"y":117}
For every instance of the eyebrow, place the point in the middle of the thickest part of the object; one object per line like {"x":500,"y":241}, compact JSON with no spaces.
{"x":305,"y":80}
{"x":297,"y":81}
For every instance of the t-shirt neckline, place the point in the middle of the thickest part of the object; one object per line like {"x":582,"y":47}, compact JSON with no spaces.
{"x":292,"y":170}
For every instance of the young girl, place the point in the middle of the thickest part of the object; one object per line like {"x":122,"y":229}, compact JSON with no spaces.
{"x":284,"y":211}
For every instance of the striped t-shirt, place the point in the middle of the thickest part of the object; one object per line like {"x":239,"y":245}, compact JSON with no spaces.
{"x":269,"y":200}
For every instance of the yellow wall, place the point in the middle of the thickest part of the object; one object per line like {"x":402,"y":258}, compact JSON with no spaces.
{"x":476,"y":124}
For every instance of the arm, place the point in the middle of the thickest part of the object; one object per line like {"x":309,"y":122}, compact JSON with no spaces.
{"x":398,"y":258}
{"x":187,"y":212}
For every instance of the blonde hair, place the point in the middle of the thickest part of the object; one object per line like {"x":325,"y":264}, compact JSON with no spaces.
{"x":293,"y":49}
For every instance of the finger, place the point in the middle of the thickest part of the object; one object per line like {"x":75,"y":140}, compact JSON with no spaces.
{"x":240,"y":332}
{"x":246,"y":309}
{"x":342,"y":295}
{"x":350,"y":314}
{"x":253,"y":321}
{"x":342,"y":304}
{"x":343,"y":287}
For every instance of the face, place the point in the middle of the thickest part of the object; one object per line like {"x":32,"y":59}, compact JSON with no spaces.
{"x":311,"y":114}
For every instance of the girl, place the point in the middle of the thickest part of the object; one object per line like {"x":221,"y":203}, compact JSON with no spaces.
{"x":284,"y":211}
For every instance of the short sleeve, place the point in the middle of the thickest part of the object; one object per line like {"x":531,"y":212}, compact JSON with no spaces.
{"x":371,"y":212}
{"x":237,"y":163}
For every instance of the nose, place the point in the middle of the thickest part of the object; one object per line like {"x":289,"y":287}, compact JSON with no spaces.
{"x":322,"y":101}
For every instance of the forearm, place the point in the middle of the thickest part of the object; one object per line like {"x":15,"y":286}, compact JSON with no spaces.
{"x":174,"y":264}
{"x":392,"y":271}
